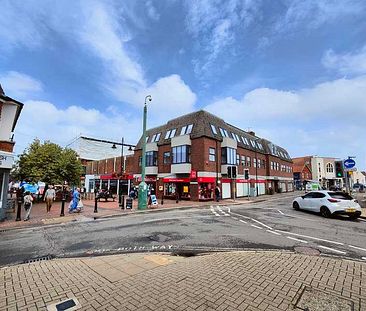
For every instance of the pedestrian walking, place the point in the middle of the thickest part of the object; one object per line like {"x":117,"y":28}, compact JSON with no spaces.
{"x":49,"y":197}
{"x":28,"y":203}
{"x":217,"y":193}
{"x":75,"y":201}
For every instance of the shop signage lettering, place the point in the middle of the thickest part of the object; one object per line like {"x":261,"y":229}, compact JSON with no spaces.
{"x":176,"y":180}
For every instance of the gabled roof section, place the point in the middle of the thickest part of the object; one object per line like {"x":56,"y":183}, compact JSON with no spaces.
{"x":202,"y":122}
{"x":8,"y":100}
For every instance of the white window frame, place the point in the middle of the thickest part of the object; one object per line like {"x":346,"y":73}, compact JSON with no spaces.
{"x":167,"y":134}
{"x":183,"y":130}
{"x":213,"y":129}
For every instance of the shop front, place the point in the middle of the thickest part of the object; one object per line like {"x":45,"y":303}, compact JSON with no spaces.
{"x":177,"y":188}
{"x":115,"y":184}
{"x":206,"y":188}
{"x":150,"y":181}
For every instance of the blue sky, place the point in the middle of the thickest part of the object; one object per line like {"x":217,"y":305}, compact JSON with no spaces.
{"x":292,"y":71}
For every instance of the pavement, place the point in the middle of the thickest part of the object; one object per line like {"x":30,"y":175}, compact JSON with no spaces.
{"x":250,"y":280}
{"x":40,"y":217}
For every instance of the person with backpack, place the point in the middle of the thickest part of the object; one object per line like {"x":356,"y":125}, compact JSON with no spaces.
{"x":28,"y":203}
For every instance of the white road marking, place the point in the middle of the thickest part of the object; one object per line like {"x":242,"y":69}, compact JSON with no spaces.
{"x":256,"y":227}
{"x":359,"y":248}
{"x":242,"y":221}
{"x":302,"y":241}
{"x":281,"y":212}
{"x":234,"y":218}
{"x":274,"y":232}
{"x":332,"y":249}
{"x":264,"y":225}
{"x":246,"y":217}
{"x":310,"y":237}
{"x":220,"y":209}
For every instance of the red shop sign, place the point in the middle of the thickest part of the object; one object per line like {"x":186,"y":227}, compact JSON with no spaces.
{"x":206,"y":179}
{"x":150,"y":179}
{"x":176,"y":180}
{"x":193,"y":174}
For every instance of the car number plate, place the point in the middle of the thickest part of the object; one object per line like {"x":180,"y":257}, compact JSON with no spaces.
{"x":350,"y":210}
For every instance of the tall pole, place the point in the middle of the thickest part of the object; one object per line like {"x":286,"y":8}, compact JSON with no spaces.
{"x":142,"y":203}
{"x":256,"y":172}
{"x":122,"y":164}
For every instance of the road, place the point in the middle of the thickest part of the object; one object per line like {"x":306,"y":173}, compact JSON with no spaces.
{"x":263,"y":225}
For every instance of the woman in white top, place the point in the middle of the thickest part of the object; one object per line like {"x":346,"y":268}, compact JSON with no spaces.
{"x":28,"y":203}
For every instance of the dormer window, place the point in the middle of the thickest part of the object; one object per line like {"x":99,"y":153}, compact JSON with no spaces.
{"x":187,"y":129}
{"x":170,"y":133}
{"x":156,"y":137}
{"x":213,"y":129}
{"x":223,"y":132}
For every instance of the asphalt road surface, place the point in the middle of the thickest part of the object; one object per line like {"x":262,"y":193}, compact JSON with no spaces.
{"x":263,"y":225}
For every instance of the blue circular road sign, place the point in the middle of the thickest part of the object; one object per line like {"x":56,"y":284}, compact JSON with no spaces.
{"x":349,"y":163}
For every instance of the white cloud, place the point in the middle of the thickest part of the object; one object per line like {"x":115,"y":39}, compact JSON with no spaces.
{"x":327,"y":119}
{"x":20,"y":85}
{"x":347,"y":63}
{"x":151,"y":11}
{"x":214,"y":25}
{"x":312,"y":14}
{"x":45,"y":121}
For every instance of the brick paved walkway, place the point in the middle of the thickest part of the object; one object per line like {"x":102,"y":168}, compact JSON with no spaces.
{"x":219,"y":281}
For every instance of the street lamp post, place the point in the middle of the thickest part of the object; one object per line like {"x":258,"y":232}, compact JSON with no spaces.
{"x":256,"y":167}
{"x":142,"y":196}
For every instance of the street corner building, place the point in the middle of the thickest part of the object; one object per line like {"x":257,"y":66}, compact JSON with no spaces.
{"x":189,"y":156}
{"x":9,"y":113}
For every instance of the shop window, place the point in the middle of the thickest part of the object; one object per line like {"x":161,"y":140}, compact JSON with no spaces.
{"x":181,"y":154}
{"x":206,"y":191}
{"x":151,"y":158}
{"x":166,"y":157}
{"x":212,"y":154}
{"x":228,"y":155}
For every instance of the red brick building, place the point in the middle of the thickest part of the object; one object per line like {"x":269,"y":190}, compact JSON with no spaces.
{"x":188,"y":156}
{"x":302,"y":171}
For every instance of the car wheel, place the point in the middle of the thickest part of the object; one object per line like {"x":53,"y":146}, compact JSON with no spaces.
{"x":324,"y":211}
{"x":296,"y":206}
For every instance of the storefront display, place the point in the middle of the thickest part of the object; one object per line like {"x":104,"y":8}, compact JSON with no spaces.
{"x":206,"y":188}
{"x":177,"y":188}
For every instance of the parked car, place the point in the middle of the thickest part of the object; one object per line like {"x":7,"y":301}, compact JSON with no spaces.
{"x":328,"y":203}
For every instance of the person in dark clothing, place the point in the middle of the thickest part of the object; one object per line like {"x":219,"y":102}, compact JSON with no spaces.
{"x":217,"y":193}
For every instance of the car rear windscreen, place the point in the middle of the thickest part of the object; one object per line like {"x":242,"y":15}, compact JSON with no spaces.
{"x":340,"y":195}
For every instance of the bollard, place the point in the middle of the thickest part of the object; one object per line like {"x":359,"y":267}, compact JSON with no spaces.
{"x":122,"y":202}
{"x":19,"y":210}
{"x":162,"y":200}
{"x":62,"y":206}
{"x":96,"y":205}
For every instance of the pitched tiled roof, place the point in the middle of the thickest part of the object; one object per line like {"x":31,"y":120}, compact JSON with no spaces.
{"x":202,"y":121}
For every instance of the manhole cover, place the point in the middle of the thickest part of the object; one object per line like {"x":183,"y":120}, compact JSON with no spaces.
{"x":312,"y":299}
{"x":67,"y":305}
{"x":307,"y":251}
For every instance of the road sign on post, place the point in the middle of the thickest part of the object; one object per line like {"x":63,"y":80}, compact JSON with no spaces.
{"x":349,"y":163}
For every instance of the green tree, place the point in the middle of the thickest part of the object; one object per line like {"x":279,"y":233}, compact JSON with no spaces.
{"x":50,"y":163}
